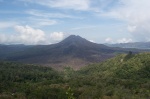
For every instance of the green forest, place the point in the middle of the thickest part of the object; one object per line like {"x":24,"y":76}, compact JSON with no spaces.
{"x":126,"y":76}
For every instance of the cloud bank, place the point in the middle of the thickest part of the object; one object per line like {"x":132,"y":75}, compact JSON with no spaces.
{"x":57,"y":36}
{"x":30,"y":36}
{"x":136,"y":14}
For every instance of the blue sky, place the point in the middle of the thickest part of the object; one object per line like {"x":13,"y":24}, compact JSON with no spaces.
{"x":50,"y":21}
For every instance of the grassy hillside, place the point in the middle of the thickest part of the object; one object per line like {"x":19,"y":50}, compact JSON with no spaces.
{"x":126,"y":76}
{"x":122,"y":77}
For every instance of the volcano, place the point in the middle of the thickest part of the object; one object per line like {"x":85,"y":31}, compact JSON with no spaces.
{"x":73,"y":51}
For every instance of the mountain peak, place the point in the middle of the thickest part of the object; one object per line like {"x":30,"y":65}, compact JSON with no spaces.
{"x":74,"y":39}
{"x":72,"y":50}
{"x":73,"y":36}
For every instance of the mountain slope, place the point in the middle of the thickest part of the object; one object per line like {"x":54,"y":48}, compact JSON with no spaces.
{"x":6,"y":50}
{"x":125,"y":76}
{"x":73,"y":51}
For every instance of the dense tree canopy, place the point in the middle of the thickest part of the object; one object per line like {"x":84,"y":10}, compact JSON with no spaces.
{"x":126,"y":76}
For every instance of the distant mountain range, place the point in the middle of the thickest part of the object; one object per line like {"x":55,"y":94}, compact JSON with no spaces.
{"x":139,"y":45}
{"x":73,"y":51}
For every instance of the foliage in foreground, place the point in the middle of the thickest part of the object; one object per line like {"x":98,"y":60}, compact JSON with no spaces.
{"x":122,"y":77}
{"x":31,"y":82}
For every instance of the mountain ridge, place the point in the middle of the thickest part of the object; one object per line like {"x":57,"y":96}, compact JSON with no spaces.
{"x":73,"y":51}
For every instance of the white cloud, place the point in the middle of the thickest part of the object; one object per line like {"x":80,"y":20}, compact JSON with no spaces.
{"x":136,"y":14}
{"x":30,"y":36}
{"x":122,"y":40}
{"x":44,"y":22}
{"x":109,"y":40}
{"x":40,"y":13}
{"x":72,"y":4}
{"x":57,"y":36}
{"x":65,"y":4}
{"x":131,"y":28}
{"x":79,"y":5}
{"x":92,"y":41}
{"x":44,"y":14}
{"x":40,"y":22}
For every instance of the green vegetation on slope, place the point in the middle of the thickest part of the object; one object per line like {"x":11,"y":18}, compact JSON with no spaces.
{"x":122,"y":77}
{"x":28,"y":81}
{"x":125,"y":76}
